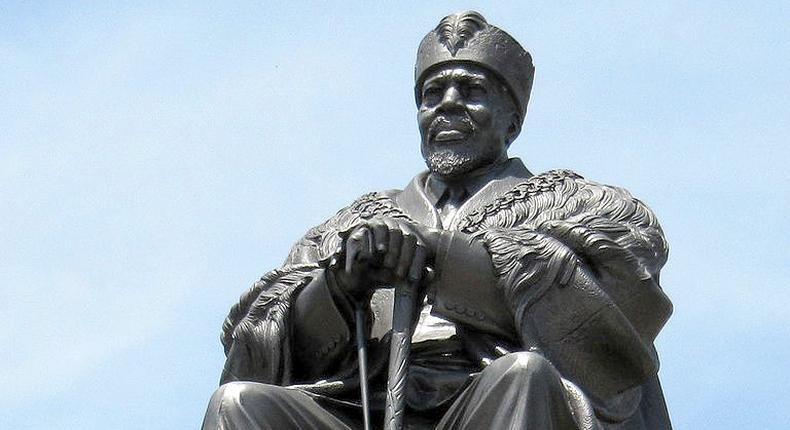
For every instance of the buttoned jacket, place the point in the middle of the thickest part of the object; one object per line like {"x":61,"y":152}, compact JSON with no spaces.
{"x":551,"y":263}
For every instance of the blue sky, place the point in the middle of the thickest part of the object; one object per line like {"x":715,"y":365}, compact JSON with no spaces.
{"x":156,"y":158}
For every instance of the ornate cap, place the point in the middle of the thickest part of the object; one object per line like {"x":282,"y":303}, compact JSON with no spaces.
{"x":467,"y":37}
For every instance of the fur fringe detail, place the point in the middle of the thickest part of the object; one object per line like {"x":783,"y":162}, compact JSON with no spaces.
{"x":256,"y":331}
{"x":544,"y":229}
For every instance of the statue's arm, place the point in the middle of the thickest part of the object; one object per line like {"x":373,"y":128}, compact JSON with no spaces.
{"x":322,"y":323}
{"x":289,"y":327}
{"x":257,"y":333}
{"x":585,"y":288}
{"x":294,"y":324}
{"x":465,"y":289}
{"x":582,"y":290}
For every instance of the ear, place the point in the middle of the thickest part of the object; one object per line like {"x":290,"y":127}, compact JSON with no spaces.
{"x":514,"y":129}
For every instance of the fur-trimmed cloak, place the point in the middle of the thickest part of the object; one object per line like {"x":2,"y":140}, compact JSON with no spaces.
{"x":576,"y":264}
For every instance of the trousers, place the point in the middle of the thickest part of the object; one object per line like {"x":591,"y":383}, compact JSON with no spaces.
{"x":520,"y":390}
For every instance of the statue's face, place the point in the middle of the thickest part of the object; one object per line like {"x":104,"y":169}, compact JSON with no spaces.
{"x":466,"y":119}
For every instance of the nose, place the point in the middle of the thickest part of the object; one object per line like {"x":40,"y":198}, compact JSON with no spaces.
{"x":451,"y":99}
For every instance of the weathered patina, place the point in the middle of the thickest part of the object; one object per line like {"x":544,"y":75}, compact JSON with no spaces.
{"x":538,"y":295}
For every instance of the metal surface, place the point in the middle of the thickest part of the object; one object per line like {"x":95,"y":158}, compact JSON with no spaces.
{"x":405,"y":304}
{"x":544,"y":306}
{"x":362,"y":356}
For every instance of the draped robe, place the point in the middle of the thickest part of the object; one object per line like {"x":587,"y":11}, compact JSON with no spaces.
{"x":553,"y":263}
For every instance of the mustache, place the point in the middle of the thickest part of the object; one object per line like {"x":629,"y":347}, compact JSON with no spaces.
{"x":464,"y":124}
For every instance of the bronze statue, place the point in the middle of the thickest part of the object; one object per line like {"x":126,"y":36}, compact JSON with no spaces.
{"x":521,"y":301}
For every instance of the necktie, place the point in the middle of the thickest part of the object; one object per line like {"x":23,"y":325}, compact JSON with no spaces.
{"x":453,"y":198}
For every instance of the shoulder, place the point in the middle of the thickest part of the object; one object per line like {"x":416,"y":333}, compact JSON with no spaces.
{"x":566,"y":183}
{"x":522,"y":201}
{"x":555,"y":194}
{"x":322,"y":240}
{"x":614,"y":203}
{"x":557,"y":178}
{"x":372,"y":204}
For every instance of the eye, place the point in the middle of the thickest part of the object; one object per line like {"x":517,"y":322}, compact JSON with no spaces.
{"x":476,"y":92}
{"x":431,"y":95}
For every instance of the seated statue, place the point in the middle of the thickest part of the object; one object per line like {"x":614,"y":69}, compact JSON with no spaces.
{"x":536,"y":296}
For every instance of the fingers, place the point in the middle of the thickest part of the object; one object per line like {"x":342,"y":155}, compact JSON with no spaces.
{"x":407,"y":248}
{"x":357,"y":247}
{"x":418,"y":263}
{"x":380,"y":233}
{"x":393,"y":247}
{"x":389,"y":244}
{"x":368,"y":245}
{"x":352,"y":250}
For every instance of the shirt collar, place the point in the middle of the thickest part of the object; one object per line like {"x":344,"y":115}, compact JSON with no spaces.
{"x":435,"y":187}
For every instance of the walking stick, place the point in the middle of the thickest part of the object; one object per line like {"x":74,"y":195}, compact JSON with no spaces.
{"x":362,"y":348}
{"x":362,"y":355}
{"x":402,"y":315}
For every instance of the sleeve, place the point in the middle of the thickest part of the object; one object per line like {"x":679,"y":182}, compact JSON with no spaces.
{"x":257,"y":332}
{"x":582,"y":290}
{"x":585,"y":292}
{"x":296,"y":329}
{"x":293,"y":325}
{"x":465,"y":289}
{"x":321,"y":325}
{"x":289,"y":327}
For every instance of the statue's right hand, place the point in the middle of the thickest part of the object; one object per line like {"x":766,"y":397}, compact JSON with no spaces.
{"x":353,"y":271}
{"x":382,"y":252}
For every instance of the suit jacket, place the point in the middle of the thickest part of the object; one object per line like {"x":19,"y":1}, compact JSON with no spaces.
{"x":551,"y":263}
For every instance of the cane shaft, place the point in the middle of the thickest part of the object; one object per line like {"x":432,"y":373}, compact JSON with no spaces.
{"x":400,"y":347}
{"x":362,"y":355}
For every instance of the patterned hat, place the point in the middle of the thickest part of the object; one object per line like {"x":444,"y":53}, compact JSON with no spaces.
{"x":467,"y":37}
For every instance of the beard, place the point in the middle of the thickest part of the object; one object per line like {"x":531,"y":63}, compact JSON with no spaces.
{"x":456,"y":161}
{"x":457,"y":158}
{"x":452,"y":162}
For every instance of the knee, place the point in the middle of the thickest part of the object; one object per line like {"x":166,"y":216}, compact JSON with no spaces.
{"x":235,"y":395}
{"x":242,"y":405}
{"x":234,"y":390}
{"x":526,"y":366}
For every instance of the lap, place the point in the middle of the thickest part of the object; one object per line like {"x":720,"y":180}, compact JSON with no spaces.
{"x":520,"y":390}
{"x":252,"y":405}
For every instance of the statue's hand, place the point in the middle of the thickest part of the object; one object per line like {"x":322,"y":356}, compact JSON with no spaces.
{"x":385,"y":251}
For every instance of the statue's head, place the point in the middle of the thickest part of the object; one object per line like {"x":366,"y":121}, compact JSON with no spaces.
{"x":472,"y":86}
